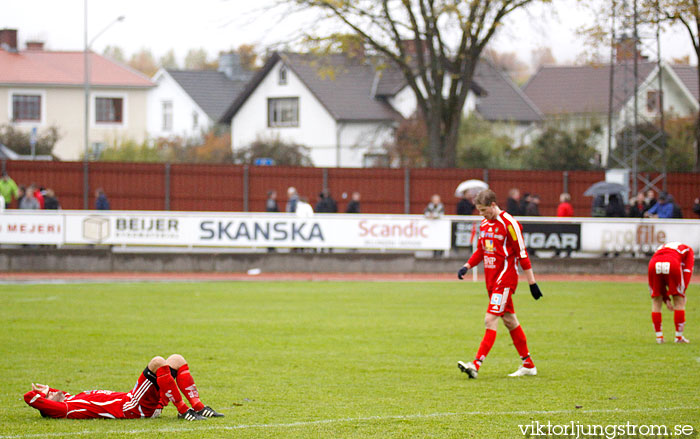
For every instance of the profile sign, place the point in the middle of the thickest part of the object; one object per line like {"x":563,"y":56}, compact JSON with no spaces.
{"x":95,"y":228}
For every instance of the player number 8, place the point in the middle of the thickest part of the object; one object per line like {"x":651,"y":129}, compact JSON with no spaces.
{"x":663,"y":267}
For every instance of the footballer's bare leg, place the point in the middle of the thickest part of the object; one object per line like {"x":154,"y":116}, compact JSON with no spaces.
{"x":679,"y":318}
{"x":657,"y":304}
{"x":185,"y":382}
{"x":520,"y":342}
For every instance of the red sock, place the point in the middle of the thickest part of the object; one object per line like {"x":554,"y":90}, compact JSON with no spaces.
{"x":679,"y":320}
{"x":656,"y":320}
{"x":186,"y":384}
{"x":485,"y":347}
{"x":168,"y":389}
{"x":520,"y":342}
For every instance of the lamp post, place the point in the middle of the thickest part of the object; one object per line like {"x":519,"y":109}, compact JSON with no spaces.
{"x":86,"y":121}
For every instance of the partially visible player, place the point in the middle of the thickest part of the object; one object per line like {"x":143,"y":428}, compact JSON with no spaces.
{"x":669,"y":272}
{"x":160,"y":383}
{"x":501,"y":247}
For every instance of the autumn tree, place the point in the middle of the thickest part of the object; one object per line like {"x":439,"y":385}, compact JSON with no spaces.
{"x":144,"y":62}
{"x":197,"y":59}
{"x":436,"y":45}
{"x":168,"y":61}
{"x":509,"y":62}
{"x":116,"y":53}
{"x":248,"y":56}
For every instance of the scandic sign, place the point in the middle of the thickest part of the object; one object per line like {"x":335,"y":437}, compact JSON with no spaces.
{"x":259,"y":230}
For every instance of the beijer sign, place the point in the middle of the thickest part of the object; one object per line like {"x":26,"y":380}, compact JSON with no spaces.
{"x":257,"y":231}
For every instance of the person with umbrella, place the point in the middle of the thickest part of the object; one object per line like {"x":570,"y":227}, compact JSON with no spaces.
{"x":466,"y":191}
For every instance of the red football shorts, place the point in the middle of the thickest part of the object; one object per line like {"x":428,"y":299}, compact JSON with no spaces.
{"x":144,"y":402}
{"x":665,"y":278}
{"x":501,"y":300}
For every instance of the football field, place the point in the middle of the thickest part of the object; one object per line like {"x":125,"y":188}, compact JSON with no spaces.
{"x":350,"y":359}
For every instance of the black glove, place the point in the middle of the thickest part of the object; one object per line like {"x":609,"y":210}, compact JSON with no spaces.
{"x":535,"y":291}
{"x":462,"y":271}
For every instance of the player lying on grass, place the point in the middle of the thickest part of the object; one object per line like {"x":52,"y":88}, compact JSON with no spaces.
{"x":159,"y":384}
{"x":500,"y":246}
{"x":669,"y":273}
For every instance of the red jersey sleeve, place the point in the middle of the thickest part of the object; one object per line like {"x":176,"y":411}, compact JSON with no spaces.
{"x":476,"y":257}
{"x":514,"y":232}
{"x":47,"y":407}
{"x":688,"y":261}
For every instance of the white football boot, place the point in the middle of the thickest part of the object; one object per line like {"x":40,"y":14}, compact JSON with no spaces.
{"x":468,"y":368}
{"x":524,"y":371}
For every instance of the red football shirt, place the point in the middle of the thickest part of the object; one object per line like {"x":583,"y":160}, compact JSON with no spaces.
{"x":676,"y":255}
{"x":501,"y":246}
{"x":84,"y":405}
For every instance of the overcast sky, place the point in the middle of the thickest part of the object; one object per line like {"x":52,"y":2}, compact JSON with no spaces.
{"x":222,"y":24}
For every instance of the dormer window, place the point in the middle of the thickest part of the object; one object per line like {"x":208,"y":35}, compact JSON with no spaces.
{"x":283,"y":75}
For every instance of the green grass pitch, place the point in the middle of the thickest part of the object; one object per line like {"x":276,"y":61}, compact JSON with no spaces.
{"x":365,"y":360}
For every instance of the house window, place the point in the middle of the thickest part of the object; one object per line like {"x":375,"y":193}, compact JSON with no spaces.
{"x":109,"y":110}
{"x":195,"y":120}
{"x":283,"y":112}
{"x":26,"y":108}
{"x":167,"y":107}
{"x":283,"y":75}
{"x":375,"y":161}
{"x":653,"y":101}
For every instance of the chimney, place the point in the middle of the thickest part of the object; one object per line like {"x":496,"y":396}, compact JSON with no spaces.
{"x":8,"y":39}
{"x":230,"y":65}
{"x":36,"y":46}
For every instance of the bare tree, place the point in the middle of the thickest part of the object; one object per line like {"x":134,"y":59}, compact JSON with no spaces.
{"x":687,"y":13}
{"x":436,"y":44}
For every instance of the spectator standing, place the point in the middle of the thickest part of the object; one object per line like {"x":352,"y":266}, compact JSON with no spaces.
{"x":638,"y":206}
{"x":564,"y":209}
{"x":533,"y":206}
{"x":271,"y":203}
{"x":292,"y":200}
{"x":101,"y":201}
{"x":326,"y":203}
{"x":616,"y":207}
{"x":661,"y":209}
{"x":50,"y":200}
{"x":8,"y":189}
{"x":524,"y":201}
{"x":465,"y":205}
{"x":650,"y":198}
{"x":513,"y":202}
{"x":354,"y":204}
{"x":303,"y":208}
{"x":37,"y":194}
{"x":696,"y":207}
{"x":29,"y":201}
{"x":20,"y":194}
{"x":435,"y":209}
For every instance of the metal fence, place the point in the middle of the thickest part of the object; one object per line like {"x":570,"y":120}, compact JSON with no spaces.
{"x":239,"y":188}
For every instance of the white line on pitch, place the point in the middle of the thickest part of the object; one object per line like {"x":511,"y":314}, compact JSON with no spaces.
{"x":342,"y":420}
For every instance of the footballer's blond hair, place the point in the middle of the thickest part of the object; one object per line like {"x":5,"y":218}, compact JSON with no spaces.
{"x":485,"y":198}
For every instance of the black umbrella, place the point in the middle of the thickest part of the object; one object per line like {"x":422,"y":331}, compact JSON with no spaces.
{"x":605,"y":188}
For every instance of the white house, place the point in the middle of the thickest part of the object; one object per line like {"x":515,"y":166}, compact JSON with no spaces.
{"x":579,"y":96}
{"x":346,"y":109}
{"x":186,"y":103}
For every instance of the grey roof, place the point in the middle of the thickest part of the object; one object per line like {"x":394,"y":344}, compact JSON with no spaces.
{"x":350,"y":89}
{"x":342,"y":84}
{"x":581,"y":89}
{"x":503,"y":101}
{"x":689,"y":76}
{"x":213,"y":91}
